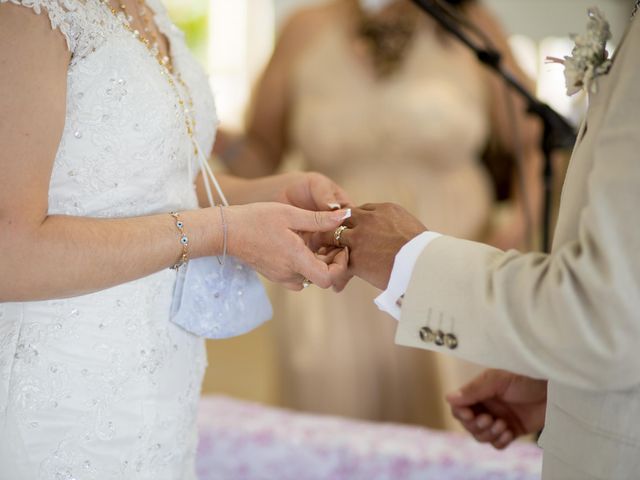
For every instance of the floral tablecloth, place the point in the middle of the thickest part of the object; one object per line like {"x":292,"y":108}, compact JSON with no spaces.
{"x":245,"y":441}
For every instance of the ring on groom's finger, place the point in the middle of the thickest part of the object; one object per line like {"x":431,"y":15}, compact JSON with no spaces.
{"x":306,"y":283}
{"x":337,"y":235}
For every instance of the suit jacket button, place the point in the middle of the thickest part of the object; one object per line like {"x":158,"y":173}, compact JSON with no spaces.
{"x":439,"y":338}
{"x":451,"y":341}
{"x":427,"y":335}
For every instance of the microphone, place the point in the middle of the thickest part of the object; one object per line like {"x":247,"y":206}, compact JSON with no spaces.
{"x":557,"y":132}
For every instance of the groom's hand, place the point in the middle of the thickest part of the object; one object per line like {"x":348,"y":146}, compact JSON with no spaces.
{"x":375,"y":234}
{"x":498,"y":406}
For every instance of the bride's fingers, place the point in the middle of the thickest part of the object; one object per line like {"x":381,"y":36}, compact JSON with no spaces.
{"x":327,"y":194}
{"x":308,"y":221}
{"x":318,"y":242}
{"x":305,"y":236}
{"x":296,"y":287}
{"x":339,"y":270}
{"x":328,"y":254}
{"x":333,"y":199}
{"x":311,"y":267}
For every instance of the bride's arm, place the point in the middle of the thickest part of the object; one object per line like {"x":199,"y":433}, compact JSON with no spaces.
{"x":308,"y":190}
{"x":44,"y":256}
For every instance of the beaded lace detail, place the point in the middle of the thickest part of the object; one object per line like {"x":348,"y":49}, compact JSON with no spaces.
{"x":83,"y":26}
{"x":104,"y":386}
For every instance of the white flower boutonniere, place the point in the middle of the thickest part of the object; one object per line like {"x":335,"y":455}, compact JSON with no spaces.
{"x":589,"y":58}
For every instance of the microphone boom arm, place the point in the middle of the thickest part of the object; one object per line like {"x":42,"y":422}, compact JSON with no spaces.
{"x":557,"y":132}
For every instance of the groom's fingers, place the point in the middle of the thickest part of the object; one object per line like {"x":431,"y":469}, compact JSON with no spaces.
{"x":370,"y":207}
{"x":328,"y":239}
{"x":476,"y":391}
{"x":346,"y":238}
{"x":350,"y":222}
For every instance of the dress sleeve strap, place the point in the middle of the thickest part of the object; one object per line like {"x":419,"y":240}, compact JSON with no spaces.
{"x":63,"y":15}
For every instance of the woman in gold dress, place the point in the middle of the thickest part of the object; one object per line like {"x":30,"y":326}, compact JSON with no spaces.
{"x":392,"y":109}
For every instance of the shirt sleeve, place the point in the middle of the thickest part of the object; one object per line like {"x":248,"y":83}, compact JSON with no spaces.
{"x":390,"y":301}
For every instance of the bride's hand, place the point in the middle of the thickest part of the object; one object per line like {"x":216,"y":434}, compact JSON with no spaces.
{"x":308,"y":190}
{"x":266,"y":236}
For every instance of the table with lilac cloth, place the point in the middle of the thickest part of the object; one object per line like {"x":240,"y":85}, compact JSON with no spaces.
{"x":246,"y":441}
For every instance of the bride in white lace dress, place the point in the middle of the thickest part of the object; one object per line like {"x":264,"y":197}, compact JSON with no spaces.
{"x":101,"y":110}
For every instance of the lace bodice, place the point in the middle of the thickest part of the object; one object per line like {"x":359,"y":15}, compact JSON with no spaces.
{"x":104,"y":386}
{"x":124,"y":150}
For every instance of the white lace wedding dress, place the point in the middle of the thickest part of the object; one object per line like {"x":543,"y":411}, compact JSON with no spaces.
{"x":103,"y":386}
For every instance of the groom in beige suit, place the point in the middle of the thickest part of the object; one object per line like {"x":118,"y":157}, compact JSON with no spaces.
{"x":567,"y":322}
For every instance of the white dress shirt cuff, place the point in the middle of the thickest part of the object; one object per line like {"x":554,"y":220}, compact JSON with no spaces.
{"x":389,"y":300}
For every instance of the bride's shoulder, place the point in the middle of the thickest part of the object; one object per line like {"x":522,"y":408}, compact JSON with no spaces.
{"x":72,"y":18}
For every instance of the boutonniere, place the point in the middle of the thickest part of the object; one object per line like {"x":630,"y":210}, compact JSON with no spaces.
{"x":589,"y":58}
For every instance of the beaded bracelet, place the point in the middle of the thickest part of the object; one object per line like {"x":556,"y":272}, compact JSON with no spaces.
{"x":184,"y":241}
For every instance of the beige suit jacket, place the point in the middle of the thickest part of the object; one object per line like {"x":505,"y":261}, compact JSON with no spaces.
{"x":572,"y":317}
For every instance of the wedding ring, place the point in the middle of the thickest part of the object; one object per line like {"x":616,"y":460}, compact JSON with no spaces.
{"x":338,"y":234}
{"x":306,"y":283}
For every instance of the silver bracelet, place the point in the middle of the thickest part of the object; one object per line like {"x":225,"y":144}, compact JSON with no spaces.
{"x":224,"y":237}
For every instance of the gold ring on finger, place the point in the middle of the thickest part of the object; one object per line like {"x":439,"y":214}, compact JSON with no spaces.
{"x":337,"y":235}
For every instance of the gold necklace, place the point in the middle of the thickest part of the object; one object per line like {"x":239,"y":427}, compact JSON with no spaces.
{"x":164,"y":61}
{"x":387,"y":39}
{"x":147,"y":29}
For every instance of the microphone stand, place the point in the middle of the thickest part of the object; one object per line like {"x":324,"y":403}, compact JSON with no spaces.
{"x":557,"y":132}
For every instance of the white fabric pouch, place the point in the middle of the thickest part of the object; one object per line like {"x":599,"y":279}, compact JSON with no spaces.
{"x":218,"y":299}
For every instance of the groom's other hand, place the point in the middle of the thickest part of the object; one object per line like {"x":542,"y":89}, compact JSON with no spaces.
{"x":375,"y":234}
{"x":497,"y":406}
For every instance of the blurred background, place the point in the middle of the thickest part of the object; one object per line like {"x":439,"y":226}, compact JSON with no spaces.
{"x":234,"y":40}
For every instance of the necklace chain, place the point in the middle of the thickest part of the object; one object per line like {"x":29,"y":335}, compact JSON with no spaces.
{"x":387,"y":40}
{"x":164,"y":61}
{"x":636,"y":7}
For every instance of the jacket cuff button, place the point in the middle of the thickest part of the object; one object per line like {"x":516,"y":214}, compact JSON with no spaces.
{"x":427,"y":335}
{"x":451,"y":341}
